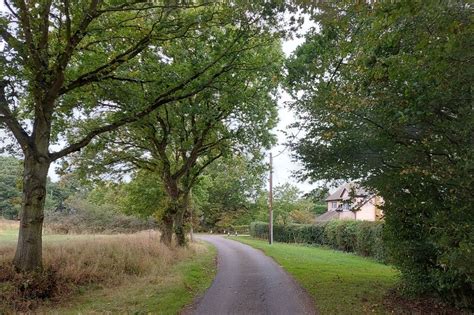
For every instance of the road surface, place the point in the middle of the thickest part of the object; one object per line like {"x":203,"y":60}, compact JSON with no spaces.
{"x":249,"y":282}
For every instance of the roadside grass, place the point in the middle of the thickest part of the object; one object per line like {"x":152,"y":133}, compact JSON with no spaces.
{"x":340,"y":283}
{"x":165,"y":292}
{"x":105,"y":273}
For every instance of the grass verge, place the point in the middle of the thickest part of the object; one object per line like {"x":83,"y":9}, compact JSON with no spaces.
{"x":340,"y":283}
{"x":166,"y":293}
{"x":105,"y":273}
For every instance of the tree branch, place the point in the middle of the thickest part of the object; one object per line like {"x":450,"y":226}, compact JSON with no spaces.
{"x":161,"y":100}
{"x":11,"y":122}
{"x":24,"y":17}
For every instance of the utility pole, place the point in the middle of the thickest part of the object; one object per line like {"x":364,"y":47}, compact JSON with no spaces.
{"x":270,"y":203}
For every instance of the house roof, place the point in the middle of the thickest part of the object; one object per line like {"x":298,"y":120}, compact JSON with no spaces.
{"x":328,"y":216}
{"x":351,"y":188}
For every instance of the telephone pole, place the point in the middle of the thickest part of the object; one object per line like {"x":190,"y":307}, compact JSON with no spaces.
{"x":270,"y":203}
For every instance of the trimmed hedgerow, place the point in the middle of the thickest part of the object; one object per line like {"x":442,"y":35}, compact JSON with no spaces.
{"x":362,"y":237}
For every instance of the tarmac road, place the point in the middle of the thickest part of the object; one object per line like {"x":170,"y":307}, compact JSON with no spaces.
{"x":249,"y":282}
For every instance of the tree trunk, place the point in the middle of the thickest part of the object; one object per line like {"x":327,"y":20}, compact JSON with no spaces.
{"x":180,"y":231}
{"x":180,"y":228}
{"x":28,"y":256}
{"x":167,"y":229}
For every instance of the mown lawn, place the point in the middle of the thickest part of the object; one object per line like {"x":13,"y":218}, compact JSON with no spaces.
{"x":340,"y":283}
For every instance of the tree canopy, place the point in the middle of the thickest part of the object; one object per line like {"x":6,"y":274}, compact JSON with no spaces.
{"x":385,"y":95}
{"x":235,"y":113}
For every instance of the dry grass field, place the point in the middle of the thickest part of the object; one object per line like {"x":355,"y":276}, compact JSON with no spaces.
{"x":89,"y":263}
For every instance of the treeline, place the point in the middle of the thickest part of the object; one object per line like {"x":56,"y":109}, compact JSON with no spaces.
{"x":138,"y":87}
{"x":231,"y":192}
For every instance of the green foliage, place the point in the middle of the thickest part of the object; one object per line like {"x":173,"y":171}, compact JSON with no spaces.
{"x":361,"y":237}
{"x":82,"y":216}
{"x":181,"y":139}
{"x":386,"y":97}
{"x":370,"y":240}
{"x":227,"y":193}
{"x":143,"y":196}
{"x":290,"y":206}
{"x":10,"y":183}
{"x":320,"y":208}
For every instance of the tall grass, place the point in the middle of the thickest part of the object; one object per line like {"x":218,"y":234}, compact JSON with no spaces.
{"x":103,"y":260}
{"x":8,"y":224}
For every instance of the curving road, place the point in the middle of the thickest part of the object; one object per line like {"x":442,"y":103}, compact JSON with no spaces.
{"x":249,"y":282}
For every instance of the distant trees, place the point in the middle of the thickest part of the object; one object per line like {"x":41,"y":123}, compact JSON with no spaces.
{"x":385,"y":95}
{"x":289,"y":206}
{"x":10,"y":187}
{"x":230,"y":190}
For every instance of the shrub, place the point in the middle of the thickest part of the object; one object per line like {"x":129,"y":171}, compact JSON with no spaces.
{"x":361,"y":237}
{"x":259,"y":230}
{"x":81,"y":216}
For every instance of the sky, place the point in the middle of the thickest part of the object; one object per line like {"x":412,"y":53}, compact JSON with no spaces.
{"x":283,"y":164}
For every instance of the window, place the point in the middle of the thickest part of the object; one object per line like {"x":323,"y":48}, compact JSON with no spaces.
{"x":346,"y":206}
{"x":334,"y":204}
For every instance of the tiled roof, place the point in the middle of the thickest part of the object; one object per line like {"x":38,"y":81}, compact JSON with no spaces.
{"x":358,"y":191}
{"x":328,"y":216}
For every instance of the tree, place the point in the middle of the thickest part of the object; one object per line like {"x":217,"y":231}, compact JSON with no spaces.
{"x":287,"y":201}
{"x":143,"y":196}
{"x":227,"y":192}
{"x":178,"y":141}
{"x":65,"y":62}
{"x":318,"y":197}
{"x":386,"y":97}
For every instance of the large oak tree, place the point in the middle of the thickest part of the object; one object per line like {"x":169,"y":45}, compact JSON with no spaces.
{"x":181,"y":139}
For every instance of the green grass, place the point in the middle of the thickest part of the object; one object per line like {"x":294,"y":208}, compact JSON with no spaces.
{"x":167,"y":294}
{"x":340,"y":283}
{"x":8,"y":235}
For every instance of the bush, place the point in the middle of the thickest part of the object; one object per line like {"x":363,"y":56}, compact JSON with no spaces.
{"x":81,"y":216}
{"x":259,"y":230}
{"x":361,"y":237}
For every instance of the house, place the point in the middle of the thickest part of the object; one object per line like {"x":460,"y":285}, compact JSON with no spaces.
{"x":352,"y":201}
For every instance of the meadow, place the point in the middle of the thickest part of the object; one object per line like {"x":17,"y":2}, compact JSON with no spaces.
{"x":97,"y":273}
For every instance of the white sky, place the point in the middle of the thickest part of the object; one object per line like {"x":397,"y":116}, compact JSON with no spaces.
{"x":283,"y":164}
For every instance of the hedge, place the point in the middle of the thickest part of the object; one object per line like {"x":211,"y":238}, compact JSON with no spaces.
{"x":361,"y":237}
